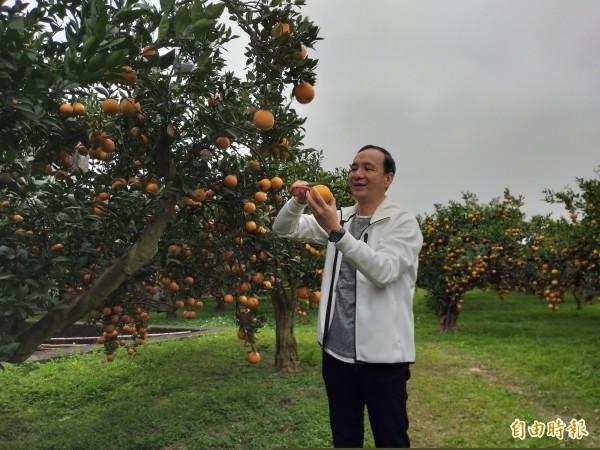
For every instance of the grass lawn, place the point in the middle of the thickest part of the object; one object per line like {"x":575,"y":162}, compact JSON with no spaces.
{"x":506,"y":361}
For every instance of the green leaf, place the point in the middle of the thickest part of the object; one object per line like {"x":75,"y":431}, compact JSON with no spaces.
{"x":114,"y":59}
{"x":10,"y":155}
{"x":167,"y":60}
{"x":163,"y":28}
{"x":214,"y":11}
{"x":203,"y":25}
{"x":166,"y":5}
{"x":181,"y":21}
{"x":113,"y":43}
{"x":90,"y":46}
{"x":97,"y":62}
{"x":197,"y":11}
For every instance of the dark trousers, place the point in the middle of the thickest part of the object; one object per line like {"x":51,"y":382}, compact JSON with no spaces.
{"x":379,"y":387}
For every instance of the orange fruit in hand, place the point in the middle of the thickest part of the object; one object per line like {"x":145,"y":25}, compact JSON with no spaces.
{"x":304,"y":93}
{"x":324,"y":191}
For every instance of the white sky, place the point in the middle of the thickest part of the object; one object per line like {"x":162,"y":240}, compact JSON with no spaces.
{"x":468,"y":95}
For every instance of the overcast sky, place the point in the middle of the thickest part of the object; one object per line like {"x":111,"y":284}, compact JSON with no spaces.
{"x":468,"y":95}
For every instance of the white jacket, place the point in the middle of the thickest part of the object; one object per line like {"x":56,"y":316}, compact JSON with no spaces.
{"x":386,"y":259}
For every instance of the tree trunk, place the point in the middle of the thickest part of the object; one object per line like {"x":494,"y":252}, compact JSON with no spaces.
{"x":76,"y":307}
{"x":449,"y":317}
{"x":286,"y":347}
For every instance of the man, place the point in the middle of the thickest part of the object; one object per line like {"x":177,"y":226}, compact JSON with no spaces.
{"x":365,"y":325}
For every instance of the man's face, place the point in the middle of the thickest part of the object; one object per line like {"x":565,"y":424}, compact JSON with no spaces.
{"x":366,"y":178}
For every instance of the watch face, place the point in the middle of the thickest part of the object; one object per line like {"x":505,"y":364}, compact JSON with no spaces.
{"x":335,"y":236}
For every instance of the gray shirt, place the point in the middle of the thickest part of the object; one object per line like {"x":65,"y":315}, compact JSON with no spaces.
{"x":340,"y":338}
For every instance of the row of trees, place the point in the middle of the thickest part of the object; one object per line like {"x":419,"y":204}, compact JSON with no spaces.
{"x":139,"y":174}
{"x":473,"y":245}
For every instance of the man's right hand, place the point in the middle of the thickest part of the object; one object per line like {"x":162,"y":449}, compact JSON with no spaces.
{"x":299,"y":190}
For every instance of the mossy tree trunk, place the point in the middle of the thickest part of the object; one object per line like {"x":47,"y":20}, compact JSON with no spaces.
{"x":286,"y":348}
{"x":74,"y":308}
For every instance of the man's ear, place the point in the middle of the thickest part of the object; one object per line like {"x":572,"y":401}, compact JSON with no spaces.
{"x":389,"y":177}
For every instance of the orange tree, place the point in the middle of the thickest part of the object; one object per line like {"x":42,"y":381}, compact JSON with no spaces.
{"x":566,"y":251}
{"x":469,"y":245}
{"x":119,"y":127}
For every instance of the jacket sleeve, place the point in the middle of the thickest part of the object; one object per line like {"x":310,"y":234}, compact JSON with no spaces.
{"x":291,"y":222}
{"x":396,"y":252}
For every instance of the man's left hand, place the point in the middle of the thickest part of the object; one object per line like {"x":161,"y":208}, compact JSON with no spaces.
{"x":325,"y":213}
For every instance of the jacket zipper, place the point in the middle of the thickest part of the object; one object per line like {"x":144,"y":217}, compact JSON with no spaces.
{"x":365,"y":238}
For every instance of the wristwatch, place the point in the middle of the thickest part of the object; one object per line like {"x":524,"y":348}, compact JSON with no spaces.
{"x":336,"y":235}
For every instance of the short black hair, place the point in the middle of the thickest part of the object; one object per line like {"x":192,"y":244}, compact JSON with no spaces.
{"x":389,"y":165}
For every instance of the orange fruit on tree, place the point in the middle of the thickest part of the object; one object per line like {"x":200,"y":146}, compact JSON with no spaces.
{"x":191,"y":301}
{"x":254,"y":165}
{"x":280,"y":29}
{"x":253,"y":357}
{"x":78,"y":108}
{"x":260,"y":197}
{"x":108,"y":145}
{"x":264,"y":184}
{"x":97,"y":137}
{"x":199,"y":195}
{"x":303,"y":51}
{"x":258,"y":277}
{"x":179,"y":304}
{"x":152,"y":187}
{"x":241,"y":334}
{"x":188,"y":280}
{"x":148,"y":52}
{"x":230,"y":181}
{"x":276,"y":183}
{"x":251,"y":226}
{"x":263,"y":119}
{"x":57,"y":247}
{"x":173,"y":286}
{"x":304,"y":92}
{"x":128,"y":77}
{"x":223,"y":142}
{"x":324,"y":191}
{"x":66,"y":109}
{"x":129,"y":107}
{"x":110,"y":107}
{"x":303,"y":292}
{"x":228,"y":298}
{"x":249,"y":207}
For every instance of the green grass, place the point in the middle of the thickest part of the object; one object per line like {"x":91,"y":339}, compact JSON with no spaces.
{"x":505,"y":361}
